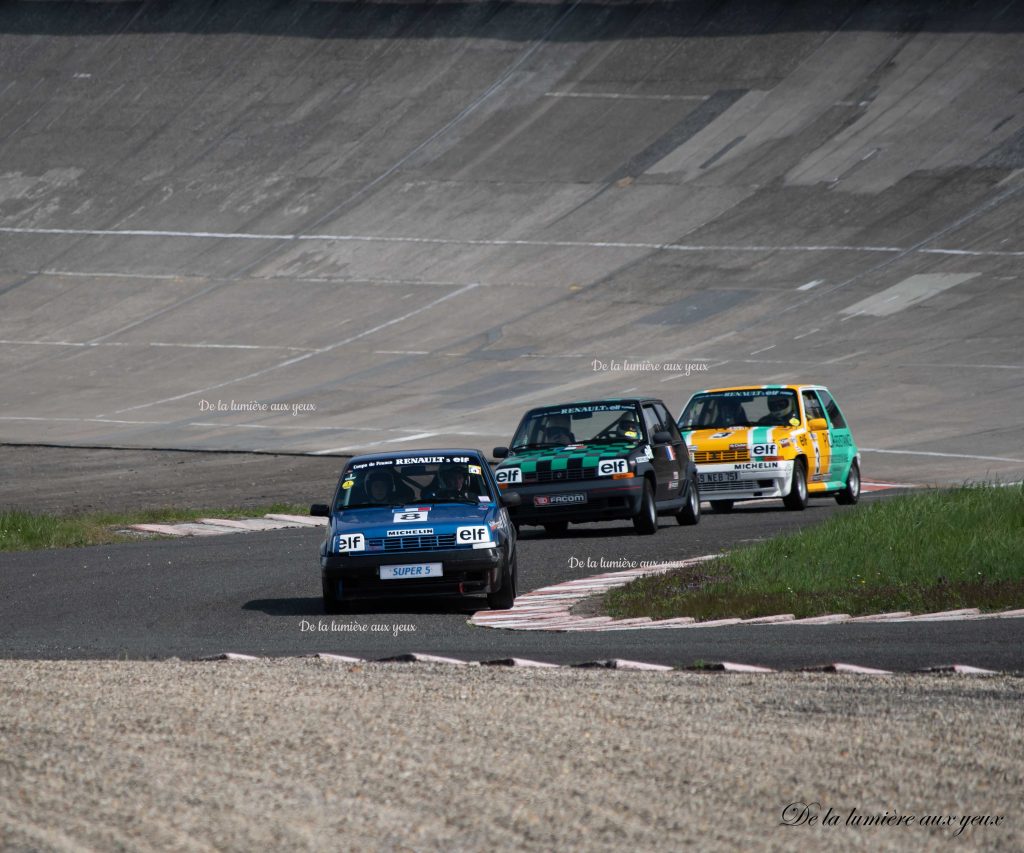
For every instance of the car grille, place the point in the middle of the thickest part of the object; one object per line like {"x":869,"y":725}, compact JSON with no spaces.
{"x":563,"y":476}
{"x":394,"y":544}
{"x":731,"y":486}
{"x":722,"y":456}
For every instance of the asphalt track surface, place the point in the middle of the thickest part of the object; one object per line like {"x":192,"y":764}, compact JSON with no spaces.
{"x":404,"y":223}
{"x":260,"y":594}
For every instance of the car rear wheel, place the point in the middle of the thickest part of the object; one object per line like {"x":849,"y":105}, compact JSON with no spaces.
{"x":851,"y":493}
{"x":556,"y":528}
{"x":690,"y":514}
{"x":645,"y":522}
{"x":797,"y":497}
{"x":722,"y":506}
{"x":505,"y":597}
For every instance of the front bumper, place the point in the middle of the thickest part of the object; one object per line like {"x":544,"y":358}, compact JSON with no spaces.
{"x":604,"y":500}
{"x":466,"y":572}
{"x":753,"y":480}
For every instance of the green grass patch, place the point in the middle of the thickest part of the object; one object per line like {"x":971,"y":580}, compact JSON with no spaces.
{"x":27,"y":531}
{"x":923,"y":552}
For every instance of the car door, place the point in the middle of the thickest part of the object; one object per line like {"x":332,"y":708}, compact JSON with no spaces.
{"x":676,"y":451}
{"x":663,"y":461}
{"x":840,"y":438}
{"x":820,"y":466}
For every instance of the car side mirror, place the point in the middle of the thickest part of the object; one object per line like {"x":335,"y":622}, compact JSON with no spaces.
{"x":814,"y":424}
{"x":322,"y":510}
{"x":511,"y":499}
{"x":500,"y":452}
{"x":662,"y":436}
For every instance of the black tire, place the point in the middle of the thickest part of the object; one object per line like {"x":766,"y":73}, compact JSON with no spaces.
{"x":850,"y":494}
{"x":797,"y":497}
{"x":505,"y":597}
{"x":690,"y":514}
{"x":556,"y":528}
{"x":645,"y":522}
{"x":722,"y":506}
{"x":332,"y":604}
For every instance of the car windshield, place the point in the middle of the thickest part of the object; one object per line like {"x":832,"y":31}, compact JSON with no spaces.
{"x":579,"y":423}
{"x":413,"y":480}
{"x":724,"y":409}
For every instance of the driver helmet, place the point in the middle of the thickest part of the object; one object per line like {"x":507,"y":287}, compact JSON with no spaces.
{"x":378,"y":476}
{"x":780,"y":404}
{"x":448,"y":474}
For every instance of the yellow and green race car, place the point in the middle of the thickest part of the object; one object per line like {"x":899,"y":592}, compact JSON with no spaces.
{"x":770,"y":441}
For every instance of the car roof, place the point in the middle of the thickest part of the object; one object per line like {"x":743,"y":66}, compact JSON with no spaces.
{"x":795,"y":387}
{"x":417,"y":451}
{"x":596,"y":401}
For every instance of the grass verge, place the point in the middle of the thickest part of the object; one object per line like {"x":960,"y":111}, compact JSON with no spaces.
{"x":26,"y":531}
{"x":924,"y":552}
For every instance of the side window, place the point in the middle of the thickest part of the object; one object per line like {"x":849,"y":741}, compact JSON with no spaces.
{"x":651,"y":421}
{"x":834,"y":415}
{"x":811,"y":406}
{"x":668,"y":424}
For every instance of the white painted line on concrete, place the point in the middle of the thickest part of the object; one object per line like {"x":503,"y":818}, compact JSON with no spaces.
{"x":811,"y":284}
{"x":944,"y":455}
{"x":626,"y":96}
{"x":296,"y":359}
{"x":805,"y":334}
{"x":909,"y":292}
{"x":763,"y":349}
{"x":452,"y":241}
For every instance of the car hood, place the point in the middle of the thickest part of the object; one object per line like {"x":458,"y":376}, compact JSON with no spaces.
{"x":740,"y":438}
{"x":528,"y":460}
{"x":383,"y":518}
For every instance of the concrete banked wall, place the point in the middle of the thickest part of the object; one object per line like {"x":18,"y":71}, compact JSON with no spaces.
{"x":422,"y":218}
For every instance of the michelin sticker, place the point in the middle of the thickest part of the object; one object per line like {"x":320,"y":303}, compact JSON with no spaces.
{"x":509,"y":475}
{"x":607,"y":467}
{"x":416,"y":531}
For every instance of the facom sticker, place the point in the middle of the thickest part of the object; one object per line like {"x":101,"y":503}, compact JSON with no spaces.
{"x":509,"y":475}
{"x":350,"y":542}
{"x":607,"y":467}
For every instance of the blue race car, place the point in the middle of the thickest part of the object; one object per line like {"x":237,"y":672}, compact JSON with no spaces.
{"x":424,"y":522}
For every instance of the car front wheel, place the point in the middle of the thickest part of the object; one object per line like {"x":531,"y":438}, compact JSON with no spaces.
{"x":645,"y":522}
{"x":505,"y":597}
{"x":851,"y":493}
{"x":690,"y":514}
{"x":797,"y":497}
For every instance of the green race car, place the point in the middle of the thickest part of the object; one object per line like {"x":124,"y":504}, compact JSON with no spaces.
{"x":599,"y":460}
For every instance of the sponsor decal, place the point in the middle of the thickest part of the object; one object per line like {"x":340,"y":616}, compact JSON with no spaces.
{"x":648,"y":452}
{"x":755,"y":466}
{"x":763,"y":450}
{"x":409,"y":460}
{"x":607,"y":467}
{"x":784,"y":442}
{"x":692,"y":448}
{"x":631,"y":433}
{"x":472,"y":535}
{"x":794,"y":421}
{"x":559,"y":500}
{"x":349,"y":542}
{"x":509,"y":475}
{"x":670,"y":452}
{"x":803,"y":440}
{"x":415,"y":531}
{"x":842,"y":440}
{"x":411,"y":514}
{"x":722,"y":435}
{"x":348,"y":484}
{"x":741,"y":446}
{"x":475,"y":469}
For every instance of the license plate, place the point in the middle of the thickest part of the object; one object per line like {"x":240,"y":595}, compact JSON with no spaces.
{"x":721,"y":477}
{"x":411,"y":570}
{"x":559,"y":500}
